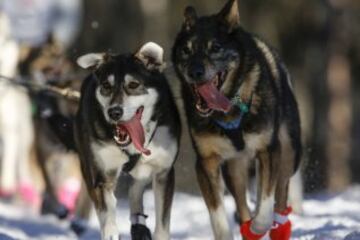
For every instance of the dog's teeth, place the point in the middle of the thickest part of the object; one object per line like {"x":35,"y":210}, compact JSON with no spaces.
{"x":117,"y":139}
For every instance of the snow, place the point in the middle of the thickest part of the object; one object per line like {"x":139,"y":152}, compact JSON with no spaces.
{"x":325,"y":217}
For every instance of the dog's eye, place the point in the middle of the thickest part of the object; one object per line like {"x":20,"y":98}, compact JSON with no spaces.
{"x":133,"y":85}
{"x":186,"y":50}
{"x":106,"y":85}
{"x":215,"y":47}
{"x":106,"y":90}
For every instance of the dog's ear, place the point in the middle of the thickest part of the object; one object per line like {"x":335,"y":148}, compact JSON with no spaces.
{"x":190,"y":18}
{"x":152,"y":56}
{"x":230,"y":15}
{"x":92,"y":60}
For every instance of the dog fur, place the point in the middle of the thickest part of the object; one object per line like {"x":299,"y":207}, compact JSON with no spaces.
{"x":16,"y":129}
{"x":215,"y":48}
{"x":129,"y":82}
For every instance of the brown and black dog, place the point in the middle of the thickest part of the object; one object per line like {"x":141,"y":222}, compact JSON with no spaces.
{"x":240,"y":108}
{"x":49,"y":66}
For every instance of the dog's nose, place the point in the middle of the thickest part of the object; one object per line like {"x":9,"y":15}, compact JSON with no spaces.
{"x":115,"y":113}
{"x":197,"y":71}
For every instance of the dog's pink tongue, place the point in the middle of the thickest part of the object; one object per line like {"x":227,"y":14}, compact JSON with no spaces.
{"x":213,"y":97}
{"x":136,"y":132}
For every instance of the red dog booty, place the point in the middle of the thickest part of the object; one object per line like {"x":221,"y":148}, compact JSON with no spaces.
{"x":281,"y":229}
{"x":245,"y":230}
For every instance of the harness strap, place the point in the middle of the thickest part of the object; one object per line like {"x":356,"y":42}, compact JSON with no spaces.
{"x":229,"y":125}
{"x":138,"y":218}
{"x":67,"y":93}
{"x":244,"y":109}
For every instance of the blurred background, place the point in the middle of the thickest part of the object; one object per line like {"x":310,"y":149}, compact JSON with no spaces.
{"x":40,"y":40}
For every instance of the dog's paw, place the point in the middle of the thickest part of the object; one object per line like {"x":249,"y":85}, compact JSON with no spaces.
{"x":140,"y":232}
{"x":112,"y":237}
{"x":111,"y":232}
{"x":50,"y":205}
{"x":115,"y":237}
{"x":78,"y":226}
{"x":248,"y":234}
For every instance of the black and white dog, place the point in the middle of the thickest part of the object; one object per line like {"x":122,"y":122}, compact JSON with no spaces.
{"x":128,"y":121}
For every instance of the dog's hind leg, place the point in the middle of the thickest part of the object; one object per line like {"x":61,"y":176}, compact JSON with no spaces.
{"x":282,"y":225}
{"x":282,"y":187}
{"x":139,"y":231}
{"x":211,"y":185}
{"x":296,"y":192}
{"x":286,"y":169}
{"x":235,"y":173}
{"x":163,"y":185}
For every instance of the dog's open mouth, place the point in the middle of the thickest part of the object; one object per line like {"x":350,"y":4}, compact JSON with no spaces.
{"x":209,"y":97}
{"x":121,"y":136}
{"x":131,"y":131}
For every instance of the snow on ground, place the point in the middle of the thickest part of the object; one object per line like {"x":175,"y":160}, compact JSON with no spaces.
{"x":325,"y":218}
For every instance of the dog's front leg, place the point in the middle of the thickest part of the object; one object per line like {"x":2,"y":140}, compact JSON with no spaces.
{"x":105,"y":205}
{"x":235,"y":173}
{"x":266,"y":182}
{"x":9,"y":162}
{"x":139,"y":231}
{"x":163,"y":185}
{"x":211,"y":185}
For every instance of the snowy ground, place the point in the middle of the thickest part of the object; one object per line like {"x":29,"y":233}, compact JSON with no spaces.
{"x":325,"y":218}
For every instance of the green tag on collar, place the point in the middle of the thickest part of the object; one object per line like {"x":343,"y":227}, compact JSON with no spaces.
{"x":244,"y":107}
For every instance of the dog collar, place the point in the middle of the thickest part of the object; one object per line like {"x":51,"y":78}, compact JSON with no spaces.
{"x":244,"y":109}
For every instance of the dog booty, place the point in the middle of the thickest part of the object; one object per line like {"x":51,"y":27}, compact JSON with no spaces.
{"x":138,"y":227}
{"x":50,"y":205}
{"x":29,"y":194}
{"x":281,"y":229}
{"x":6,"y":194}
{"x":68,"y":193}
{"x":247,"y":234}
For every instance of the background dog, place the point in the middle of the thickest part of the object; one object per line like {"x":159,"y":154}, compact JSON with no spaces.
{"x":60,"y":167}
{"x":16,"y":126}
{"x":128,"y":121}
{"x":240,"y":107}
